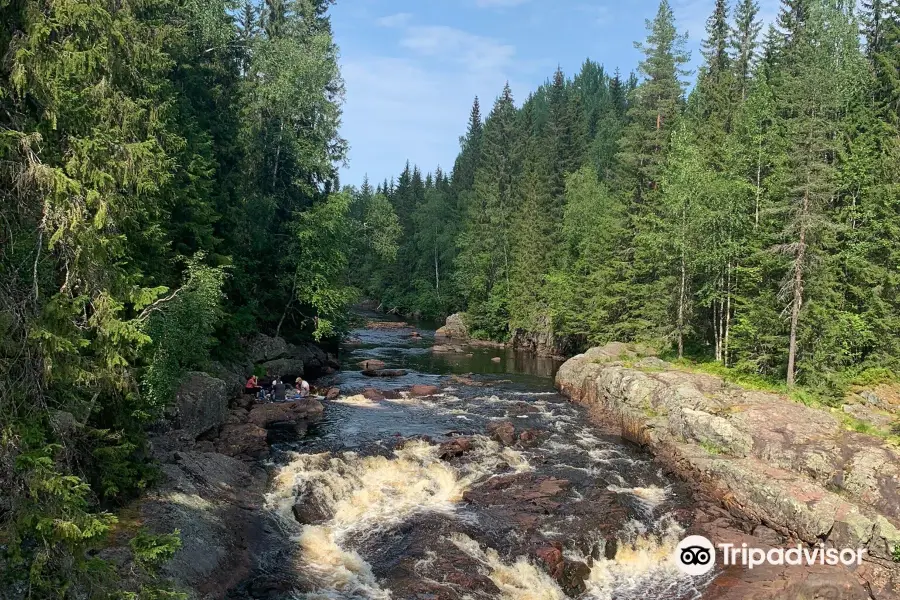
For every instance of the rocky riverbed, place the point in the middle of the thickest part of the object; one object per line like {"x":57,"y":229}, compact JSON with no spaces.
{"x":789,"y":473}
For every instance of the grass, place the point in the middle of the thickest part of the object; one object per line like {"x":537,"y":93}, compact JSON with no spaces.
{"x":711,"y":448}
{"x":810,"y":397}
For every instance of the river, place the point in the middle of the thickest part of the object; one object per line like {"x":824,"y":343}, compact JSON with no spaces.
{"x":413,"y":498}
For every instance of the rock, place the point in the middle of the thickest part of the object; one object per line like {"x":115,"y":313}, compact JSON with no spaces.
{"x":528,"y":436}
{"x":504,"y":432}
{"x":384,"y":373}
{"x":765,"y":458}
{"x":353,"y":341}
{"x":553,"y":559}
{"x":265,"y":415}
{"x":543,"y":342}
{"x":245,"y":439}
{"x":216,"y":504}
{"x":496,"y":359}
{"x":371,"y":364}
{"x":454,"y":448}
{"x":233,"y":376}
{"x":308,"y":512}
{"x":263,"y":348}
{"x":573,"y":576}
{"x":287,"y":369}
{"x":237,"y":416}
{"x":424,"y":390}
{"x":332,"y":393}
{"x":455,"y":327}
{"x":373,"y":394}
{"x":201,"y":403}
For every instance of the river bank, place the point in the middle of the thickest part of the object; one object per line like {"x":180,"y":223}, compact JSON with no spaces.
{"x":784,"y":471}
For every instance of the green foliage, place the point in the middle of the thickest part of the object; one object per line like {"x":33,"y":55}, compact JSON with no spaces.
{"x":151,"y":551}
{"x":181,"y":326}
{"x":148,"y":149}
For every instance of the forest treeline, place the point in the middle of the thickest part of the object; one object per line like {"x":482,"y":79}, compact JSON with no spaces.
{"x":168,"y":184}
{"x":754,"y":221}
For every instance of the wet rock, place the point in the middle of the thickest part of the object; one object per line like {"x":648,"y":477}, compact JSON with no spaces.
{"x":332,"y":393}
{"x":553,"y":559}
{"x":454,"y":448}
{"x":454,"y":327}
{"x":308,"y":512}
{"x":543,"y":342}
{"x":353,"y":341}
{"x":244,"y":439}
{"x":528,"y":436}
{"x":371,"y":364}
{"x":504,"y":432}
{"x":264,"y":415}
{"x":573,"y":576}
{"x":424,"y":390}
{"x":384,"y":373}
{"x":415,"y":335}
{"x":201,"y":403}
{"x":373,"y":394}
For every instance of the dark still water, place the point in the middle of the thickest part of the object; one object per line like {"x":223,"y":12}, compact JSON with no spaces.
{"x":494,"y":487}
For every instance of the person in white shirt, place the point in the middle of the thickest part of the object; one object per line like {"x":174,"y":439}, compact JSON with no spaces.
{"x":302,"y":387}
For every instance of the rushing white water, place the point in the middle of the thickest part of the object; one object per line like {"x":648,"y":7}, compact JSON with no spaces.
{"x":366,"y":495}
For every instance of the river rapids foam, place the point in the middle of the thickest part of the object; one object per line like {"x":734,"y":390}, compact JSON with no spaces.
{"x":362,"y":496}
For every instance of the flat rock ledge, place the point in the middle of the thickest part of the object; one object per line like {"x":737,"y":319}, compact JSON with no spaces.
{"x":769,"y":461}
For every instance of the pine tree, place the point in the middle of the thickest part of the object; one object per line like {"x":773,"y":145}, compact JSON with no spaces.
{"x":656,"y":107}
{"x":744,"y":44}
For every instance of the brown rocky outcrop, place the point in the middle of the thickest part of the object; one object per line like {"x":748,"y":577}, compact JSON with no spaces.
{"x":795,"y":469}
{"x":424,"y":390}
{"x":264,"y":415}
{"x":503,"y":432}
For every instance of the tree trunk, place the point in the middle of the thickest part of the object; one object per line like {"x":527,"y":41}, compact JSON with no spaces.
{"x":437,"y":275}
{"x":758,"y":183}
{"x":681,"y":306}
{"x":797,"y":301}
{"x":727,"y":317}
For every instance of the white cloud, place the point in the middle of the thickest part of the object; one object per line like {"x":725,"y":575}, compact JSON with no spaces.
{"x":454,"y":45}
{"x":498,"y":3}
{"x":397,"y":20}
{"x":416,"y":104}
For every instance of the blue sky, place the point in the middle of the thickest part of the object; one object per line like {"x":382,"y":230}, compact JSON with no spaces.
{"x":412,"y":67}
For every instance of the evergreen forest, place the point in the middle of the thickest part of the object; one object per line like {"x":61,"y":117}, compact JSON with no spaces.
{"x":750,"y":221}
{"x":169,"y":186}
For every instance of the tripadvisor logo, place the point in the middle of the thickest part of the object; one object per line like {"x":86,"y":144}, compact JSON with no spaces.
{"x":696,"y":555}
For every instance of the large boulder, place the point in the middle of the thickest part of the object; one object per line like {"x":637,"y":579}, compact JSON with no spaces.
{"x":201,"y":404}
{"x":263,"y":348}
{"x":455,"y":327}
{"x":242,"y":440}
{"x":216,"y":503}
{"x":265,"y":415}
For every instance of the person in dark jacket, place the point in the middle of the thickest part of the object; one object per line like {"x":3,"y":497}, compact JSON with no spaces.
{"x":278,"y":389}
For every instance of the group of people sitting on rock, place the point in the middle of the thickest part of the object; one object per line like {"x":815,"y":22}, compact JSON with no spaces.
{"x":276,"y":390}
